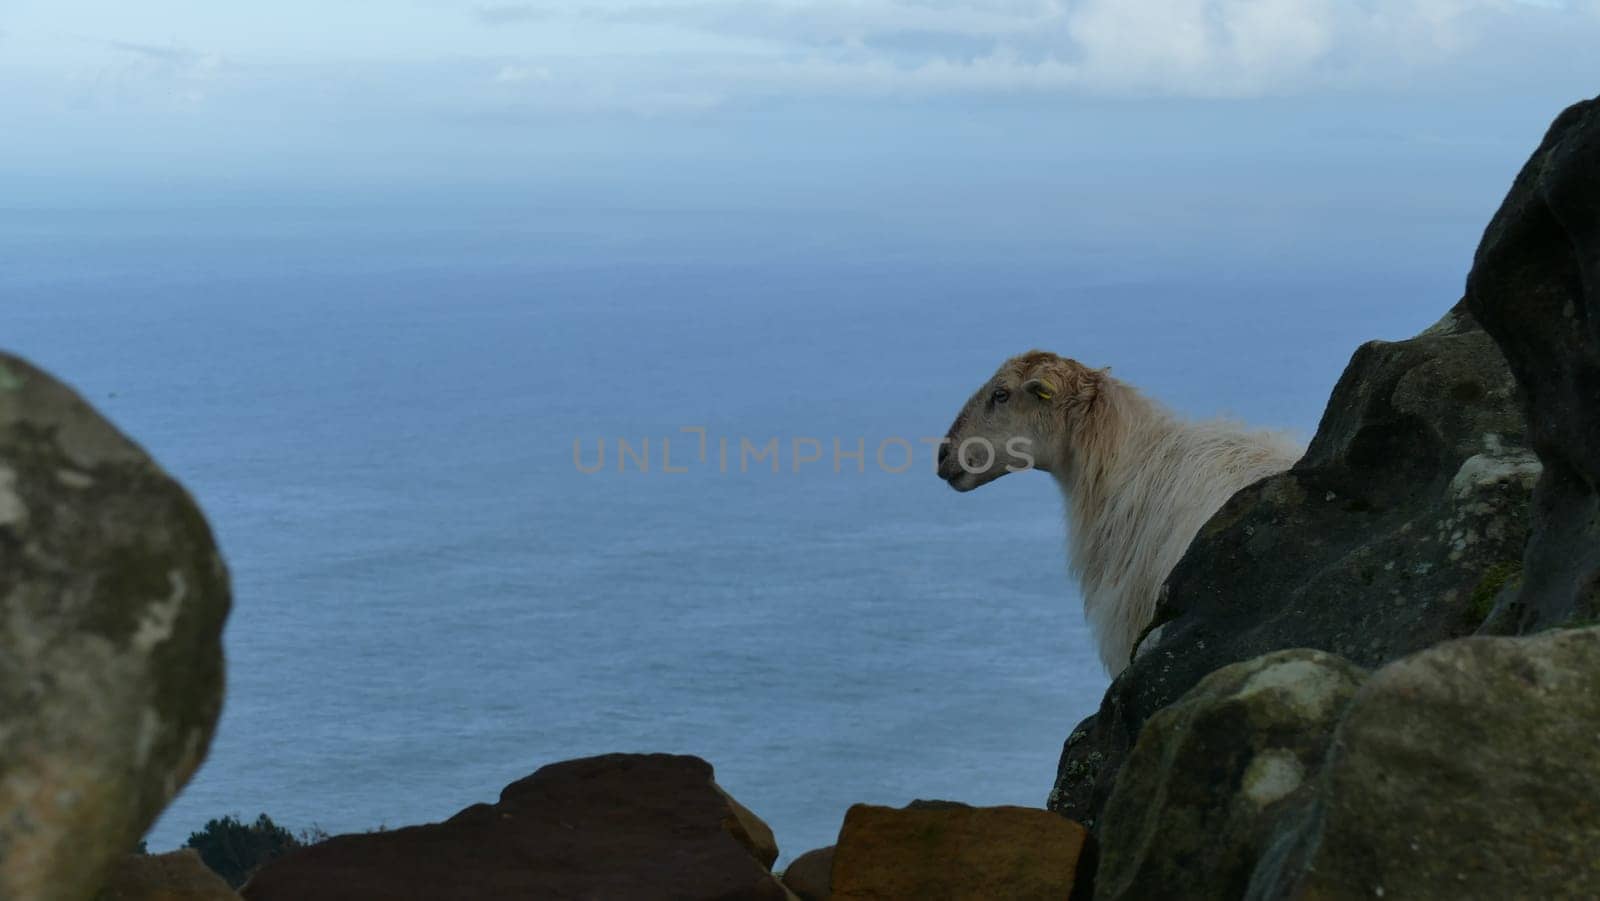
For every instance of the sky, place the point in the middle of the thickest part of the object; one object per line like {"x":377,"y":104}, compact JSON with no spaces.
{"x":93,"y":88}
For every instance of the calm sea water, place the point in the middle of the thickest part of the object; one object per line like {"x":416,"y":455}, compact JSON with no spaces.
{"x":376,"y":405}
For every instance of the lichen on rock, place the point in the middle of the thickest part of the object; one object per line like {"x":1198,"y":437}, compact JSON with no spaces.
{"x":1466,"y":770}
{"x":1203,"y":790}
{"x":112,"y":601}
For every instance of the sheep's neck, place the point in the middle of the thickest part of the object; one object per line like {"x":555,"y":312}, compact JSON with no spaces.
{"x":1104,"y":443}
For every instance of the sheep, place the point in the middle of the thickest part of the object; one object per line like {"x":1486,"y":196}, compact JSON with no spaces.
{"x":1138,"y":481}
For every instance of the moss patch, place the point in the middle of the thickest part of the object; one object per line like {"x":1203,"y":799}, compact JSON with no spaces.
{"x":1494,"y":578}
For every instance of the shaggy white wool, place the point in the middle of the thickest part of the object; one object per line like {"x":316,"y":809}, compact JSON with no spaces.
{"x":1139,"y":484}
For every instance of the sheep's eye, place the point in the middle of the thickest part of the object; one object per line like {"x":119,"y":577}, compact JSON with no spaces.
{"x":1001,"y":395}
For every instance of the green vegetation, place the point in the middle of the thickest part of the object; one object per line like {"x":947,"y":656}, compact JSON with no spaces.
{"x":1494,"y":578}
{"x":235,"y":849}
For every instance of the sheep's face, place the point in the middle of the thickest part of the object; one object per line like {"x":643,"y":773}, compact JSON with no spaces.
{"x":1016,"y":421}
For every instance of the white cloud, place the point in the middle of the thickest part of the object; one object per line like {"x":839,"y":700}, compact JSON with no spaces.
{"x":514,"y":74}
{"x":1200,"y":46}
{"x":133,"y":74}
{"x":1157,"y":47}
{"x":506,"y":59}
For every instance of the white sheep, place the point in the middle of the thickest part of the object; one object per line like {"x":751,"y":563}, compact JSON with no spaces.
{"x":1138,"y":481}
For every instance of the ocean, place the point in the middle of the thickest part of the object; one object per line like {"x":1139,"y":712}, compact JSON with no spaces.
{"x":375,"y":399}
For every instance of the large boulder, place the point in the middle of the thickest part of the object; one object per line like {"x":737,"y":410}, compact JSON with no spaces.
{"x":178,"y":876}
{"x":1212,"y":775}
{"x":617,"y":826}
{"x":1393,"y":533}
{"x":944,"y":851}
{"x":112,"y":601}
{"x":1466,"y":771}
{"x":1535,"y":286}
{"x":810,"y":876}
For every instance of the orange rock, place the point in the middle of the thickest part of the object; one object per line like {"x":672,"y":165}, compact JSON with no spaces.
{"x":179,"y":876}
{"x":942,"y":851}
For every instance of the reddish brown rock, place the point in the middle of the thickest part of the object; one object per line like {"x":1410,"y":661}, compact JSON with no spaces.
{"x":618,"y":826}
{"x":179,"y":876}
{"x":941,"y":851}
{"x":810,"y":876}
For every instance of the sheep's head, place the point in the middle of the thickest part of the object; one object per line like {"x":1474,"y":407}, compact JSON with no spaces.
{"x":1017,"y":420}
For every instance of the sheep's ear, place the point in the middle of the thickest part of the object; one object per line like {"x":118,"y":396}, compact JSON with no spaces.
{"x":1039,"y":388}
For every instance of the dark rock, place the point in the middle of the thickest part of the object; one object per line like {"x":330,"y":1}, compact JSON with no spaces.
{"x":810,"y":876}
{"x":1465,"y":771}
{"x":1212,"y":774}
{"x":750,"y":831}
{"x":947,"y":851}
{"x":618,"y":826}
{"x":1535,"y":286}
{"x":112,"y":601}
{"x":1411,"y":499}
{"x":179,"y":876}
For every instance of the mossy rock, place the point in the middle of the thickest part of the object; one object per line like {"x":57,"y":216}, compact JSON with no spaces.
{"x":112,"y":602}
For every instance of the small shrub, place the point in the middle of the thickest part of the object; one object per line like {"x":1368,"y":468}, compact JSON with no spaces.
{"x":235,"y":849}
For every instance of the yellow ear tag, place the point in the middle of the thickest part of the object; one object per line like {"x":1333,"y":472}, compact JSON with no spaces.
{"x":1043,"y":395}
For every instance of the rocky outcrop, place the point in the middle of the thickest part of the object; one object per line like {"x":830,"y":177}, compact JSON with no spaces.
{"x":943,"y":851}
{"x":1414,"y":517}
{"x":1213,"y":774}
{"x":618,"y":826}
{"x":1424,"y":510}
{"x":112,"y":601}
{"x":1468,"y":770}
{"x":1535,"y":286}
{"x":1392,"y":533}
{"x":810,"y":876}
{"x":179,"y":876}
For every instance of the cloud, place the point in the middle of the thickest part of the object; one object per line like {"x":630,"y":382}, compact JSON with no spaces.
{"x":515,"y":61}
{"x":514,"y":74}
{"x":1155,"y":47}
{"x":150,"y":75}
{"x":509,"y":14}
{"x":167,"y":54}
{"x":817,"y":23}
